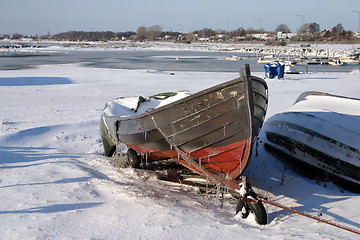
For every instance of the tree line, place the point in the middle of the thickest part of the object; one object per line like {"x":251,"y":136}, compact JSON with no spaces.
{"x":91,"y":36}
{"x":307,"y":32}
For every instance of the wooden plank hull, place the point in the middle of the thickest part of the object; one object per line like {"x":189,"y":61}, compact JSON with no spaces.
{"x":216,"y":127}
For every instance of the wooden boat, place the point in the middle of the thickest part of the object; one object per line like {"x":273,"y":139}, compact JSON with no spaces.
{"x":210,"y":132}
{"x":322,"y":132}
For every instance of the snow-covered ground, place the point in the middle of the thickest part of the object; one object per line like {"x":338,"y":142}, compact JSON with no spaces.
{"x":55,"y":183}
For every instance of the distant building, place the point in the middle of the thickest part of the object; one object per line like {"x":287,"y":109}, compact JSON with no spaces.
{"x":285,"y":36}
{"x":221,"y":37}
{"x":262,"y":36}
{"x":168,"y":37}
{"x":357,"y":35}
{"x":325,"y":34}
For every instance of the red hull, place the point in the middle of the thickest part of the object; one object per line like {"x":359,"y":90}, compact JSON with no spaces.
{"x":231,"y":159}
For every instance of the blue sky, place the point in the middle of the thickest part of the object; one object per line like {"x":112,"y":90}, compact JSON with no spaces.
{"x":40,"y":16}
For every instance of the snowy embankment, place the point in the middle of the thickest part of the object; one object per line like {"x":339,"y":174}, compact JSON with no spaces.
{"x":293,"y":50}
{"x":55,"y":184}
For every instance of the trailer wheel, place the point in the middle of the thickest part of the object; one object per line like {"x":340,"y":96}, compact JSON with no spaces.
{"x":255,"y":208}
{"x":133,"y":158}
{"x":259,"y":212}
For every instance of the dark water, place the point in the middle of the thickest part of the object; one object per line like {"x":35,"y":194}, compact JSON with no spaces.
{"x":149,"y":59}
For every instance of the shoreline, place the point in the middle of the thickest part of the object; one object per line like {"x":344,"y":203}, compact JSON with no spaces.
{"x":333,"y":50}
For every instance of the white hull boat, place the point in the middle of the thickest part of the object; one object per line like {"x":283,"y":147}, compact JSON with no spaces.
{"x":320,"y":132}
{"x":350,"y":60}
{"x":335,"y":63}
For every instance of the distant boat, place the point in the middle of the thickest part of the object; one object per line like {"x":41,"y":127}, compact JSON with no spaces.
{"x":314,"y":61}
{"x":350,"y":59}
{"x":235,"y":58}
{"x":267,"y":59}
{"x":232,"y":58}
{"x":320,"y":131}
{"x":289,"y":69}
{"x":290,"y":62}
{"x":300,"y":60}
{"x":336,"y":62}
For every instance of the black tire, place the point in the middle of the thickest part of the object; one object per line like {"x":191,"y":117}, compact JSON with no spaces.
{"x":259,"y":211}
{"x":133,"y":158}
{"x":255,"y":208}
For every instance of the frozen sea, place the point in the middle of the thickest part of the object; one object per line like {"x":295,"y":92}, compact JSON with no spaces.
{"x":55,"y":182}
{"x":164,"y":57}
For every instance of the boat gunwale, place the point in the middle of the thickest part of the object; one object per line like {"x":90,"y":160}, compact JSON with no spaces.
{"x":183,"y":100}
{"x":302,"y":96}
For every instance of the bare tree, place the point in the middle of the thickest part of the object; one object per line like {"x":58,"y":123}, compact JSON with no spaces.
{"x":251,"y":30}
{"x":141,"y":33}
{"x":17,"y":36}
{"x":283,"y":28}
{"x":303,"y":28}
{"x":154,"y":32}
{"x":239,"y":32}
{"x":338,"y":32}
{"x":205,"y":32}
{"x":309,"y":31}
{"x":314,"y":28}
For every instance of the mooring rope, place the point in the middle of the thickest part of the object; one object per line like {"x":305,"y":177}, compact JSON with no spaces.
{"x":306,"y":215}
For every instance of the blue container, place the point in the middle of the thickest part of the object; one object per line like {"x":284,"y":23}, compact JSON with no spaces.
{"x":274,"y":69}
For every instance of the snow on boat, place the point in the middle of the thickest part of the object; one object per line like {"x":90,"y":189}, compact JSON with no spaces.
{"x":210,"y":132}
{"x":290,"y":69}
{"x":323,"y":132}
